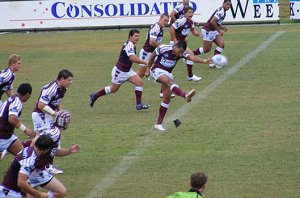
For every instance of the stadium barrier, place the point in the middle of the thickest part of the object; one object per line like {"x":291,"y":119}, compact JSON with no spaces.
{"x":86,"y":14}
{"x":295,"y":9}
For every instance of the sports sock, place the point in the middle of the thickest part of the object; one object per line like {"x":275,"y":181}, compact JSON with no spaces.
{"x":162,"y":112}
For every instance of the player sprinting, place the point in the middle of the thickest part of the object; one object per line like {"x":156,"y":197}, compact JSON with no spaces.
{"x":15,"y":183}
{"x":166,"y":59}
{"x":153,"y":39}
{"x":7,"y":75}
{"x":180,"y":30}
{"x":49,"y":103}
{"x":10,"y":113}
{"x":41,"y":177}
{"x":213,"y":31}
{"x":122,"y":72}
{"x":178,"y":12}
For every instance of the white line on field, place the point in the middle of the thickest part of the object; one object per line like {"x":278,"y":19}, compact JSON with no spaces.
{"x":115,"y":174}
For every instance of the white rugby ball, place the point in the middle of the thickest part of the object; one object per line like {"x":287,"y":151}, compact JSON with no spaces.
{"x":219,"y":60}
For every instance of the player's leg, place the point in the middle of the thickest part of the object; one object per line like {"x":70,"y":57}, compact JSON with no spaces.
{"x":207,"y":37}
{"x":141,"y":70}
{"x":219,"y":41}
{"x":15,"y":147}
{"x":5,"y":144}
{"x":138,"y":82}
{"x":189,"y":65}
{"x":164,"y":105}
{"x":56,"y":188}
{"x":118,"y":78}
{"x":142,"y":67}
{"x":166,"y":81}
{"x":174,"y":88}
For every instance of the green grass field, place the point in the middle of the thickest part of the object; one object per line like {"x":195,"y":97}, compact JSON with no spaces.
{"x":244,"y":134}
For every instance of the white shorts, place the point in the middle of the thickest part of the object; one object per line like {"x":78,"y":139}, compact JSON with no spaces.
{"x":39,"y":178}
{"x":119,"y":77}
{"x":42,"y":121}
{"x":209,"y":35}
{"x":144,"y":56}
{"x":5,"y":143}
{"x":157,"y":72}
{"x":7,"y":193}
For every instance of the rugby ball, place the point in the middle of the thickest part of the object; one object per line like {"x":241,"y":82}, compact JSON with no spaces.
{"x":219,"y":60}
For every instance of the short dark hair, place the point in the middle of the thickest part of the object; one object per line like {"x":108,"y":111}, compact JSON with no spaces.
{"x":225,"y":1}
{"x":198,"y":180}
{"x":24,"y":88}
{"x":164,"y":15}
{"x":181,"y":44}
{"x":64,"y":74}
{"x":132,"y":32}
{"x":187,"y":8}
{"x":44,"y":142}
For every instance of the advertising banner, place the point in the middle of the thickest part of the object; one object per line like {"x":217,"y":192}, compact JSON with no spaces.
{"x":24,"y":15}
{"x":295,"y":9}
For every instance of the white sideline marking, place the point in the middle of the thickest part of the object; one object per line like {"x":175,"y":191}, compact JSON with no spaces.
{"x":102,"y":187}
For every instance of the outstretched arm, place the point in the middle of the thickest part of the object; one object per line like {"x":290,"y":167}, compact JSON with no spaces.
{"x":64,"y":152}
{"x":14,"y":120}
{"x":198,"y":60}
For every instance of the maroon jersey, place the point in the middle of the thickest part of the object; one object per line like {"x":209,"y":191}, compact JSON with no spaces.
{"x":220,"y":13}
{"x":51,"y":95}
{"x":24,"y":162}
{"x":6,"y":80}
{"x":183,"y":27}
{"x":156,"y":32}
{"x":166,"y":58}
{"x":47,"y":159}
{"x":179,"y":9}
{"x":12,"y":106}
{"x":124,"y":63}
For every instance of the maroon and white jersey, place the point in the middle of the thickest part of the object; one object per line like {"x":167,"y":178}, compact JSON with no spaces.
{"x":166,"y":58}
{"x":179,"y":9}
{"x":183,"y":27}
{"x":25,"y":162}
{"x":46,"y":159}
{"x":220,"y":13}
{"x":124,"y":63}
{"x":51,"y":95}
{"x":156,"y":32}
{"x":6,"y":80}
{"x":12,"y":106}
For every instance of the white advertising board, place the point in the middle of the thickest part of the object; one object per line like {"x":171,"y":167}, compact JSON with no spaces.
{"x":295,"y":9}
{"x":102,"y":13}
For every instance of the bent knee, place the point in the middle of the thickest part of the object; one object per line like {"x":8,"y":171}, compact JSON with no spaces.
{"x":62,"y":192}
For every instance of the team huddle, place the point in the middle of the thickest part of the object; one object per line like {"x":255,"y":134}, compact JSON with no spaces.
{"x":33,"y":166}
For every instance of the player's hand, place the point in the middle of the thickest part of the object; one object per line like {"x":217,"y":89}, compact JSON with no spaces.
{"x":197,"y":24}
{"x":30,"y":133}
{"x":43,"y":195}
{"x":209,"y":61}
{"x":74,"y":149}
